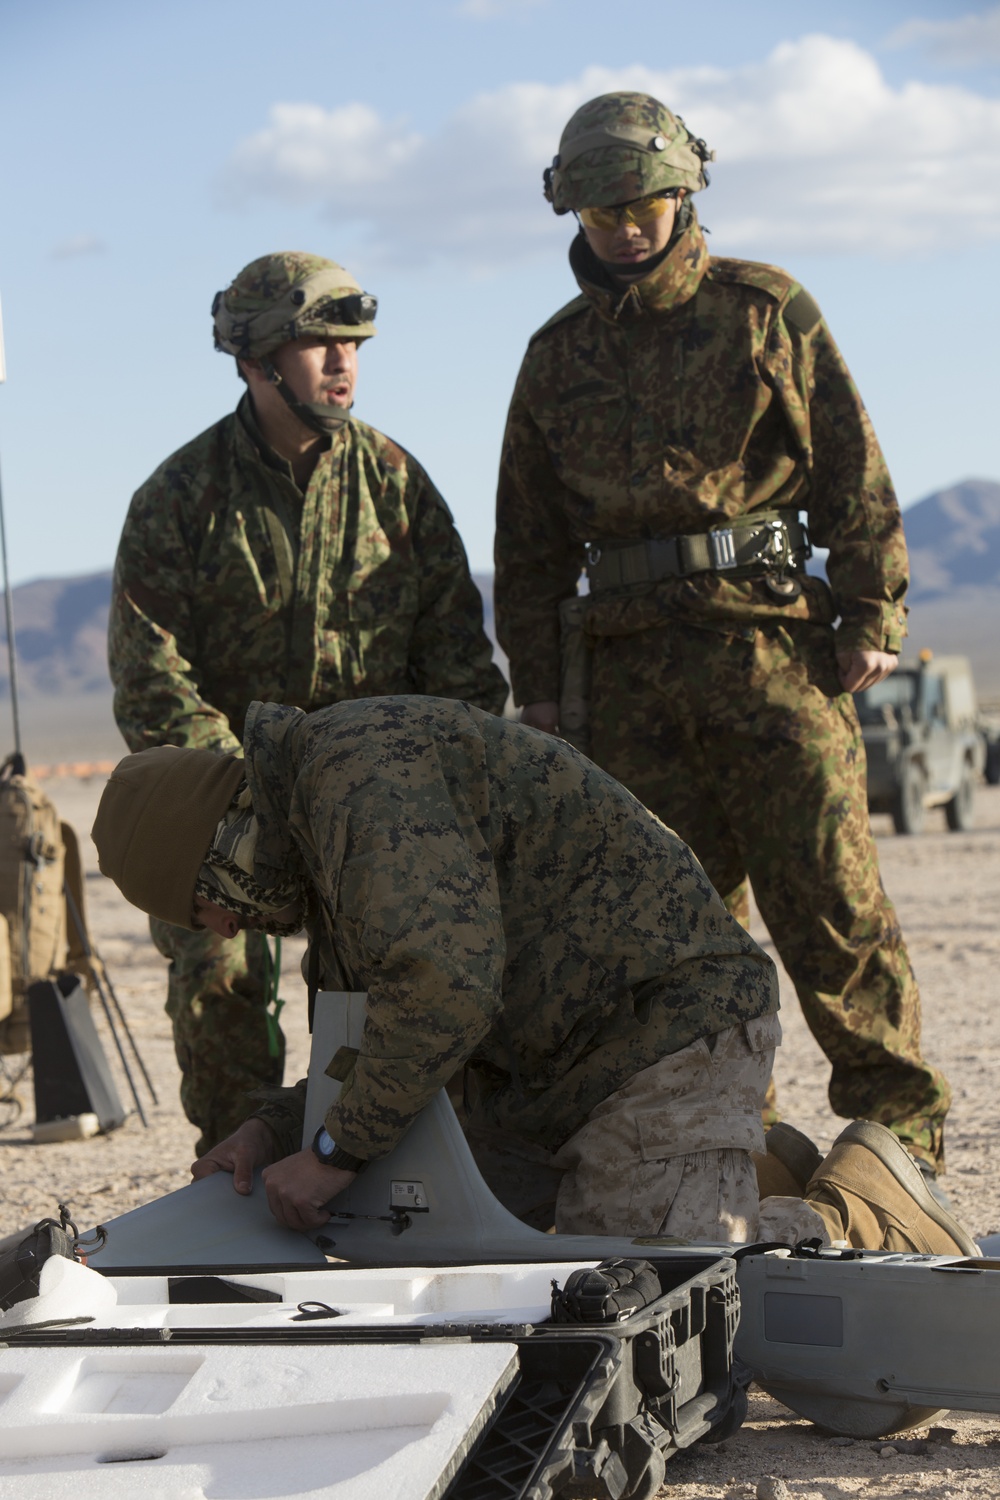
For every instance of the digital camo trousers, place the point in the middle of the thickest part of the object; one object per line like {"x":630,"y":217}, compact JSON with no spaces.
{"x":745,"y":744}
{"x":226,"y":1042}
{"x":669,"y":1153}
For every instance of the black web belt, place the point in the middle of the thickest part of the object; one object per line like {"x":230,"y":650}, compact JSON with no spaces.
{"x":765,"y":545}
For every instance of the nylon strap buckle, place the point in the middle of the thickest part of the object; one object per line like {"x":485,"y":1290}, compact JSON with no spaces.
{"x":769,"y":548}
{"x":722,"y":548}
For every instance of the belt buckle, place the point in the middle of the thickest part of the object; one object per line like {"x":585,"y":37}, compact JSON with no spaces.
{"x":780,"y":544}
{"x":774,"y":550}
{"x":722,"y":548}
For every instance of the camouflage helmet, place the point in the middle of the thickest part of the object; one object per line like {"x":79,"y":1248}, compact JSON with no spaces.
{"x":288,"y":296}
{"x":619,"y":147}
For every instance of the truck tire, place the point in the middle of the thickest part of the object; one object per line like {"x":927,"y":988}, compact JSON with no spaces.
{"x":908,"y":811}
{"x":960,"y":811}
{"x":992,"y":772}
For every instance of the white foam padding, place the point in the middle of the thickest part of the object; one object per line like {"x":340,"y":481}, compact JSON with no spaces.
{"x":359,"y":1297}
{"x":218,"y":1422}
{"x":66,"y":1289}
{"x":373,"y":1296}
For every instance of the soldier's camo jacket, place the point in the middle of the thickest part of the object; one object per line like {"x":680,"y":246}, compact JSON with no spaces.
{"x":709,"y":389}
{"x":501,"y":899}
{"x":231,"y":584}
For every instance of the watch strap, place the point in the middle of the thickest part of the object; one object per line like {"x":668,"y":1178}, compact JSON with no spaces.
{"x":338,"y":1157}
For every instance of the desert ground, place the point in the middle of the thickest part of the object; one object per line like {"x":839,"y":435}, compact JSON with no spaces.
{"x":945,"y":886}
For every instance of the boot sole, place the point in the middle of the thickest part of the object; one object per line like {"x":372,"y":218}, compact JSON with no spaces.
{"x":881,"y":1142}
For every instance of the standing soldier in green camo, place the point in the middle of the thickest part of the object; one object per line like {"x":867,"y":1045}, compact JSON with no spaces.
{"x":293,"y":552}
{"x":668,"y":429}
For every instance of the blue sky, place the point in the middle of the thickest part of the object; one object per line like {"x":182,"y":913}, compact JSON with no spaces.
{"x":147,"y":153}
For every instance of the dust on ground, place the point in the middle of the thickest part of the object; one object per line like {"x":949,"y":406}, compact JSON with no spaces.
{"x":945,"y":886}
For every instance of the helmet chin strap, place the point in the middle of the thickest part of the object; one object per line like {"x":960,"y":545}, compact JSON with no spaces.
{"x":315,"y":415}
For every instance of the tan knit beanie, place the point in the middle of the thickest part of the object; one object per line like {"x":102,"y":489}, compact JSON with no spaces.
{"x":156,"y":820}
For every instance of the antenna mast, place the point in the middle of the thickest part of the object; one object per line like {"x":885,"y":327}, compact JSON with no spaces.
{"x":18,"y":758}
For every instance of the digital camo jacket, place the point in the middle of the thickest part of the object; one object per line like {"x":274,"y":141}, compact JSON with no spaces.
{"x":231,"y":584}
{"x":709,"y":389}
{"x":502,"y":901}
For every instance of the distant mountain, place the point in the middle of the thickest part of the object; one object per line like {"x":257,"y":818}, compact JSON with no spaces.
{"x":954,"y":539}
{"x":60,"y":628}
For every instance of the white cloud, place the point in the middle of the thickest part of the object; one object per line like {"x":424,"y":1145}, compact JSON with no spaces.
{"x":79,"y":244}
{"x":967,"y":42}
{"x":342,"y":156}
{"x":816,"y":152}
{"x":494,"y":10}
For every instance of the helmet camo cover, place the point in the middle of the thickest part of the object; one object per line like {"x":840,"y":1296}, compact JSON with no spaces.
{"x":619,"y":147}
{"x":286,"y":296}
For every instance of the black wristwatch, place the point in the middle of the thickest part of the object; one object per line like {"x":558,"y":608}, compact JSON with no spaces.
{"x":331,"y":1155}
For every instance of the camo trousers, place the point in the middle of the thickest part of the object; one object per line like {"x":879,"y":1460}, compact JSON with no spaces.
{"x":225,"y":1042}
{"x":746,"y":745}
{"x":668,"y":1154}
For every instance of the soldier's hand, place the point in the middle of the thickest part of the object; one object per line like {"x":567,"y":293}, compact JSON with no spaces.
{"x":543,"y":715}
{"x":863,"y":669}
{"x":299,"y":1187}
{"x":241,"y":1153}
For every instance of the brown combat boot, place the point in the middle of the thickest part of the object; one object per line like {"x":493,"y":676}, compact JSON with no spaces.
{"x":787,"y":1164}
{"x":870,"y":1192}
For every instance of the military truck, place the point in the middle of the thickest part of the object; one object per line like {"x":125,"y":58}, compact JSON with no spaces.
{"x":923,"y":741}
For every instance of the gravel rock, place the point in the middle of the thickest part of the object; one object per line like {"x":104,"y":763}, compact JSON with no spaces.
{"x":773,"y":1489}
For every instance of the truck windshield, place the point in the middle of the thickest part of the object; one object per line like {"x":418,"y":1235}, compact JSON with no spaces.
{"x":881,"y":703}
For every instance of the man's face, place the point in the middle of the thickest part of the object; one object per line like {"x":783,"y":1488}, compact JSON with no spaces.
{"x":322,"y":372}
{"x":218,"y":919}
{"x":627,"y":244}
{"x":206,"y":914}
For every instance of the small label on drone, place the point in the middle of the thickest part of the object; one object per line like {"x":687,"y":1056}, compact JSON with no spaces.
{"x":408,"y":1195}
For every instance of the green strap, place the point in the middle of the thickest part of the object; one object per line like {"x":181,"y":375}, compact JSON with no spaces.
{"x":271,"y":1015}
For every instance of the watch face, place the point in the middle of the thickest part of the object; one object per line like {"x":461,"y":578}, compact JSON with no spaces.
{"x":326,"y":1150}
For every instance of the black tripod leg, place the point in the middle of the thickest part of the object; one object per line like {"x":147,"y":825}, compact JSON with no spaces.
{"x":125,"y":1026}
